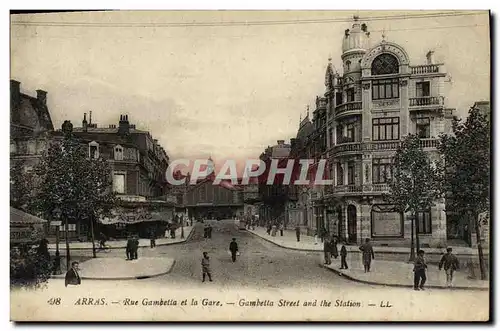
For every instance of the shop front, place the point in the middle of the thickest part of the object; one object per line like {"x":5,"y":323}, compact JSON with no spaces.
{"x":143,"y":221}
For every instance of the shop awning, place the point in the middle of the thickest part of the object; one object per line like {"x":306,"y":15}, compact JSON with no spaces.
{"x":133,"y":216}
{"x":19,"y":217}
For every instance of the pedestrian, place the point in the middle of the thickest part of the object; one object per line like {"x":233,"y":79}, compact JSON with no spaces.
{"x":205,"y":267}
{"x":135,"y":247}
{"x":210,"y":231}
{"x":153,"y":239}
{"x":233,"y":248}
{"x":205,"y":231}
{"x":450,"y":263}
{"x":327,"y":252}
{"x":335,"y":251}
{"x":72,"y":277}
{"x":269,"y":227}
{"x":172,"y":232}
{"x":129,"y":248}
{"x":281,"y":229}
{"x":343,"y":256}
{"x":368,"y":254}
{"x":419,"y":272}
{"x":297,"y":232}
{"x":273,"y":230}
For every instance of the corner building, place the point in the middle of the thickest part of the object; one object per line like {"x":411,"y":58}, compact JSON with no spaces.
{"x":379,"y":99}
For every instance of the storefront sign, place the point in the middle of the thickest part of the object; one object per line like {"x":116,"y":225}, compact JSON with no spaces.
{"x":137,"y":216}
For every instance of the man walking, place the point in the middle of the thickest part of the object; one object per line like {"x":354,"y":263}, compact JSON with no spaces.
{"x":334,"y":248}
{"x":368,"y":254}
{"x":419,"y":272}
{"x":450,"y":263}
{"x":327,"y":252}
{"x":128,"y":249}
{"x":135,"y":247}
{"x":281,"y":229}
{"x":72,"y":276}
{"x":297,"y":232}
{"x":205,"y":267}
{"x":233,"y":248}
{"x":343,"y":256}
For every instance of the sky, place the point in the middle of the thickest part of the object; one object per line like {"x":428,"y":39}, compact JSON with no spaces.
{"x":225,"y":91}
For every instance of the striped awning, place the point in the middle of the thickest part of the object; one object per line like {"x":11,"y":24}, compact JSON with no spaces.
{"x":20,"y":217}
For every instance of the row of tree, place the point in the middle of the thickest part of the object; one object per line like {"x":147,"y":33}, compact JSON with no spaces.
{"x":461,"y":174}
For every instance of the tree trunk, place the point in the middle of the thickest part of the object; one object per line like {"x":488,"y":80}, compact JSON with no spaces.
{"x":412,"y":251}
{"x":92,"y":236}
{"x":479,"y":247}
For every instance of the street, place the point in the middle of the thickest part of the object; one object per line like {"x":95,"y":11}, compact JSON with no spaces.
{"x":263,"y":272}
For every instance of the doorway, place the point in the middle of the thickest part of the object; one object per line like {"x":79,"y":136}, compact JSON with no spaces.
{"x":351,"y":223}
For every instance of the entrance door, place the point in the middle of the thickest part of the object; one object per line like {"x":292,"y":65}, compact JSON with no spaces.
{"x":351,"y":223}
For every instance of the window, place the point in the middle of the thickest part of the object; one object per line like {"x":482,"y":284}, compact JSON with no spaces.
{"x":350,"y":132}
{"x":381,"y":169}
{"x":94,"y":150}
{"x":340,"y":134}
{"x":119,"y":183}
{"x":118,"y":153}
{"x":340,"y":174}
{"x":350,"y":94}
{"x":423,"y":222}
{"x":423,"y":89}
{"x":385,"y":64}
{"x":423,"y":128}
{"x":385,"y":128}
{"x":348,"y":65}
{"x":385,"y":89}
{"x":350,"y":173}
{"x":338,"y":97}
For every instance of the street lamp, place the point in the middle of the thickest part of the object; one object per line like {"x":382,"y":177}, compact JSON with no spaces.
{"x":412,"y":245}
{"x":57,"y":262}
{"x":182,"y":227}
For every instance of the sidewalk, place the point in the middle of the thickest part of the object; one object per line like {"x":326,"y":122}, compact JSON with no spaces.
{"x":400,"y":274}
{"x":116,"y":244}
{"x":289,"y":240}
{"x":118,"y":268}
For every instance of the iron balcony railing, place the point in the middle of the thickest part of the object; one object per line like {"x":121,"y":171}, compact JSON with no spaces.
{"x":353,"y":105}
{"x":426,"y":101}
{"x":380,"y":145}
{"x":425,"y":69}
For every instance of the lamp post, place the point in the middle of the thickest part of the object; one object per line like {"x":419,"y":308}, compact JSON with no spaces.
{"x":182,"y":227}
{"x":412,"y":245}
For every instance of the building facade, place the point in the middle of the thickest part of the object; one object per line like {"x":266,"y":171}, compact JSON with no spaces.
{"x":368,"y":107}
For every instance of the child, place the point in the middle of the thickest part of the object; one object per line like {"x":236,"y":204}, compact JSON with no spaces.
{"x":343,"y":256}
{"x":419,"y":272}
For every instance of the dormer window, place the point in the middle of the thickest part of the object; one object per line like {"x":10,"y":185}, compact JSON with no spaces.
{"x":118,"y":153}
{"x":94,"y":150}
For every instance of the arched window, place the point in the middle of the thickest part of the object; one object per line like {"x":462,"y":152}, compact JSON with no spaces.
{"x":118,"y":153}
{"x":348,"y":65}
{"x":385,"y":64}
{"x":94,"y":150}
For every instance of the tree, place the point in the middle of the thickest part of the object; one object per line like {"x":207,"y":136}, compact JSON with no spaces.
{"x":28,"y":268}
{"x":415,"y":184}
{"x":77,"y":186}
{"x":466,"y":175}
{"x":20,"y":188}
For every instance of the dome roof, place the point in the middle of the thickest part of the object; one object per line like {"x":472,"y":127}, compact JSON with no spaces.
{"x":358,"y":38}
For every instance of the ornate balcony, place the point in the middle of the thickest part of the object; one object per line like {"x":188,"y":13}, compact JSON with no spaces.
{"x":348,"y":106}
{"x":426,"y":101}
{"x":359,"y":147}
{"x":361,"y":189}
{"x":425,"y":69}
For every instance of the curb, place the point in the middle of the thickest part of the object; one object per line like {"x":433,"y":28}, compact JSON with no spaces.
{"x":122,"y":278}
{"x":188,"y":237}
{"x":474,"y":288}
{"x":292,"y":248}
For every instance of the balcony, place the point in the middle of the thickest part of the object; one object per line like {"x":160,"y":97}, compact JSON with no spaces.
{"x":426,"y":101}
{"x":348,"y":106}
{"x":358,"y":147}
{"x":425,"y":69}
{"x":361,"y":189}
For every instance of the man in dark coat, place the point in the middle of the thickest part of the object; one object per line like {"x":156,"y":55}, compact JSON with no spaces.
{"x":297,"y":232}
{"x":72,"y":276}
{"x":343,"y":257}
{"x":135,"y":247}
{"x":327,"y":252}
{"x":210,"y":231}
{"x":128,"y":250}
{"x":335,"y":251}
{"x":233,"y":248}
{"x":419,"y":272}
{"x":368,"y":254}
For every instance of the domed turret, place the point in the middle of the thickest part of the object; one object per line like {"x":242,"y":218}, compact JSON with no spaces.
{"x":357,"y":38}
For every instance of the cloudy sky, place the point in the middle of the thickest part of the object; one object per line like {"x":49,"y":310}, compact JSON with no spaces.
{"x":227,"y":90}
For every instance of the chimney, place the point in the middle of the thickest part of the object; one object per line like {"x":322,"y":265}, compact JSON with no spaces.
{"x":430,"y":57}
{"x":90,"y":117}
{"x":84,"y":122}
{"x":123,"y":125}
{"x":41,"y":96}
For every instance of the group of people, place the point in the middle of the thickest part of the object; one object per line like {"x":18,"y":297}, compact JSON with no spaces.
{"x":132,"y":247}
{"x":331,"y":250}
{"x":207,"y":231}
{"x":272,"y":228}
{"x":449,"y":262}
